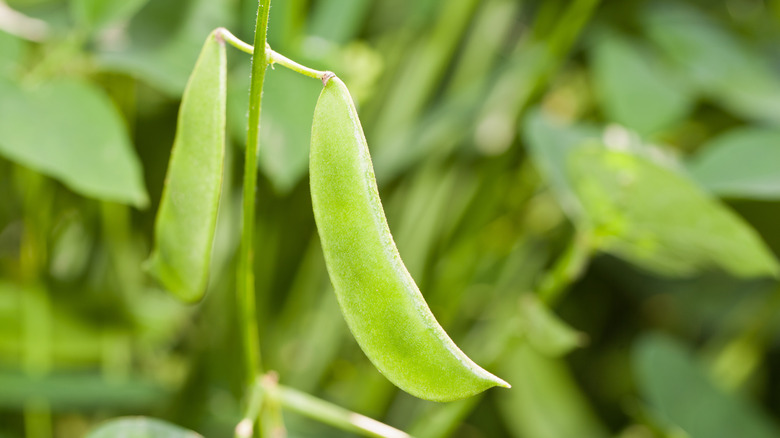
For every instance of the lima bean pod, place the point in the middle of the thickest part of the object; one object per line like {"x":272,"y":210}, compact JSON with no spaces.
{"x":381,"y":303}
{"x":186,"y":220}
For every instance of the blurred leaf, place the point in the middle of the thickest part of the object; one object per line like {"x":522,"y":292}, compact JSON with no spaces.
{"x":441,"y":420}
{"x":70,"y":340}
{"x":681,"y":394}
{"x":545,"y":331}
{"x":544,"y":401}
{"x":635,"y":92}
{"x":660,"y":220}
{"x":79,"y":391}
{"x":140,"y":427}
{"x":166,"y":63}
{"x":71,"y":250}
{"x":417,"y":79}
{"x":715,"y":60}
{"x":285,"y":133}
{"x":742,"y":163}
{"x":492,"y":23}
{"x":238,"y":103}
{"x":529,"y":71}
{"x":288,"y":108}
{"x":338,"y":21}
{"x":549,"y":143}
{"x":86,"y":146}
{"x":11,"y":50}
{"x":94,"y":14}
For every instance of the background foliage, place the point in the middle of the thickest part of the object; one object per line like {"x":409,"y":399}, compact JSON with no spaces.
{"x":587,"y":193}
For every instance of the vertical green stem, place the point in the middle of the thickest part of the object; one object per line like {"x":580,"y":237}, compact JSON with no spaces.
{"x":245,"y":285}
{"x":246,"y":428}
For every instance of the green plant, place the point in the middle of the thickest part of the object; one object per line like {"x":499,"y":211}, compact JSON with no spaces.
{"x":384,"y":309}
{"x":565,"y":180}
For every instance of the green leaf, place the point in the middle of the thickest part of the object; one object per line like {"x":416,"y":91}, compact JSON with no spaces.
{"x":338,"y":21}
{"x":681,"y":394}
{"x":544,"y":401}
{"x":11,"y":51}
{"x":545,"y":331}
{"x":70,"y":391}
{"x":634,"y":89}
{"x":95,"y":14}
{"x":65,"y":338}
{"x":715,"y":60}
{"x":288,"y":104}
{"x":660,"y":220}
{"x":742,"y":163}
{"x":70,"y":130}
{"x":166,"y":65}
{"x":140,"y":427}
{"x":549,"y":143}
{"x":186,"y":221}
{"x":640,"y":204}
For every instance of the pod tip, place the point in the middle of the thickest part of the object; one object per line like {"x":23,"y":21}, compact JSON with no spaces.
{"x":502,"y":383}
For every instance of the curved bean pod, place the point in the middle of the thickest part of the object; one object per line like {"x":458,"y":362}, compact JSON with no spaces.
{"x":187,"y":217}
{"x":382,"y":305}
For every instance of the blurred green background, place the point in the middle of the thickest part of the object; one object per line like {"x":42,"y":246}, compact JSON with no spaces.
{"x":587,"y":193}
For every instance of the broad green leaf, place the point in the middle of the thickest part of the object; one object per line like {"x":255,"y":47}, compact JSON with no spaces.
{"x":634,"y":90}
{"x":544,"y":401}
{"x":742,"y":163}
{"x":166,"y":61}
{"x":716,"y":60}
{"x":140,"y":427}
{"x":545,"y":331}
{"x":94,"y":14}
{"x":549,"y":143}
{"x":681,"y":394}
{"x":69,"y":130}
{"x":659,"y":219}
{"x":186,"y":221}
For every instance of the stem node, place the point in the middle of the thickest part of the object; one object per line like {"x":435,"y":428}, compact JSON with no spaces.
{"x":326,"y":77}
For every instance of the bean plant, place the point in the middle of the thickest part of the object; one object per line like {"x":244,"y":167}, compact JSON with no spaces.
{"x":192,"y":240}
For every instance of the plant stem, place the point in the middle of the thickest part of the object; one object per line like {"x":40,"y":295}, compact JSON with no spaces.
{"x":22,"y":26}
{"x":235,"y":41}
{"x":273,"y":57}
{"x":334,"y":415}
{"x":245,"y":428}
{"x":277,"y":58}
{"x":567,"y":268}
{"x":271,"y":420}
{"x":245,"y":284}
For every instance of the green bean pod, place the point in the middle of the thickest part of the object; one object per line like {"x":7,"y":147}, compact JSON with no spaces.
{"x":187,"y":217}
{"x":382,"y":305}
